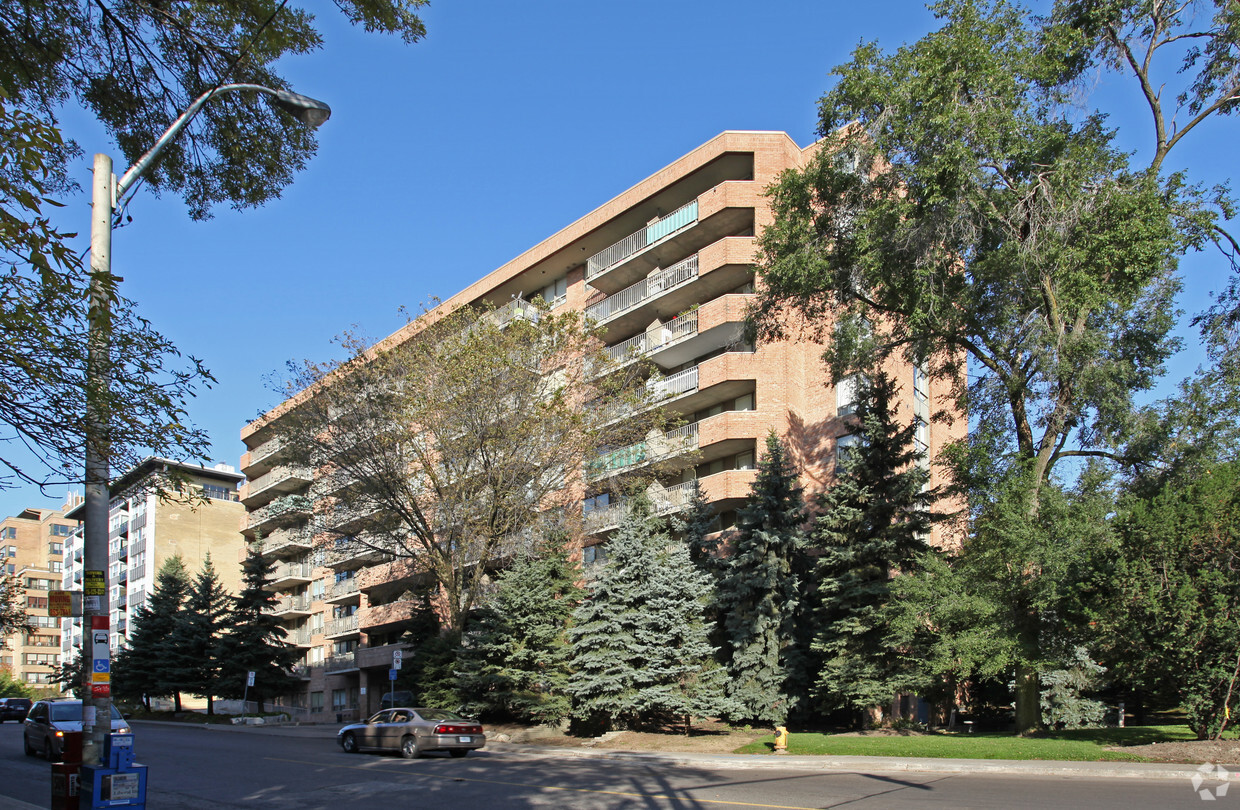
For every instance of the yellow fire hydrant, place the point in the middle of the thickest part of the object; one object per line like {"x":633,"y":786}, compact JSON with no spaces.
{"x":781,"y":738}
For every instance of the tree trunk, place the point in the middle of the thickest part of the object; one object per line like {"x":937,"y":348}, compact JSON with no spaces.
{"x":176,"y":701}
{"x":210,"y":705}
{"x":1028,"y":706}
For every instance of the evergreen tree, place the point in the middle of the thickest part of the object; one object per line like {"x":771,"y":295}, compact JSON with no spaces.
{"x":697,"y":525}
{"x":256,"y":642}
{"x":145,"y":667}
{"x":757,"y":594}
{"x":514,"y":661}
{"x":639,"y":644}
{"x":872,"y":524}
{"x":195,"y":661}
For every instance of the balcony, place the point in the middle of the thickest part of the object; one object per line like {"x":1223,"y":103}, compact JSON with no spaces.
{"x":121,"y":553}
{"x":670,"y":444}
{"x":378,"y":657}
{"x":723,"y":490}
{"x":353,"y":553}
{"x":121,"y":576}
{"x":382,"y":580}
{"x":382,"y":618}
{"x":346,"y":590}
{"x":289,"y":607}
{"x":341,"y":662}
{"x":289,"y":575}
{"x":280,"y":481}
{"x":118,"y":528}
{"x":648,"y":288}
{"x":641,"y":240}
{"x":723,"y":211}
{"x":262,"y":458}
{"x":344,"y":626}
{"x":120,"y":601}
{"x":298,"y":637}
{"x":286,"y":511}
{"x":286,"y":542}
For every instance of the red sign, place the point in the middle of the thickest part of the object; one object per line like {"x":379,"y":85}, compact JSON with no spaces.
{"x":101,"y":689}
{"x":99,"y":622}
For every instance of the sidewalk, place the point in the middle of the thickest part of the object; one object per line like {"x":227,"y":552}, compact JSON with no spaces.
{"x":1087,"y":770}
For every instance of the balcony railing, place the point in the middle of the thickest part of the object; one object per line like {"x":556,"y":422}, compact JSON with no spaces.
{"x":340,"y":662}
{"x":674,"y":331}
{"x":292,"y":604}
{"x":649,"y":287}
{"x":672,"y":443}
{"x":293,"y":571}
{"x":290,"y":506}
{"x":345,"y":624}
{"x":343,"y":588}
{"x":654,"y":232}
{"x":665,"y":500}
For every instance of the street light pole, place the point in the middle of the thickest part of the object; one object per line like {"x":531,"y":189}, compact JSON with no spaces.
{"x":106,"y":193}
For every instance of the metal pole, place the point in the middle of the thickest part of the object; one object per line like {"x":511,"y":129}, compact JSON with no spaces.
{"x":97,"y":708}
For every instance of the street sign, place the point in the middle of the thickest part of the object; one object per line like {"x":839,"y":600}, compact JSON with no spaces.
{"x":92,"y":583}
{"x":64,"y":603}
{"x":249,"y":678}
{"x":391,"y":674}
{"x":396,"y":659}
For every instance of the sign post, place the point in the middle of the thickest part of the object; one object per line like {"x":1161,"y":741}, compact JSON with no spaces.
{"x":396,"y":661}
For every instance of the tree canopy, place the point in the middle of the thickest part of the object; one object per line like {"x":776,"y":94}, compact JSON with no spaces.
{"x":450,"y":447}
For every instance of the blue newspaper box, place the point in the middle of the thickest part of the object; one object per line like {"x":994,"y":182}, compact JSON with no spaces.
{"x":118,"y":782}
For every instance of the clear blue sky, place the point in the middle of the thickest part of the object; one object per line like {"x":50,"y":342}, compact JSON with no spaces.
{"x":447,"y":158}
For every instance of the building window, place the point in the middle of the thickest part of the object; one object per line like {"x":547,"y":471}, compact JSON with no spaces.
{"x":219,"y":493}
{"x":37,"y":602}
{"x":593,"y":555}
{"x":845,"y":445}
{"x":846,"y":395}
{"x":921,"y":385}
{"x":61,"y":530}
{"x":556,"y":292}
{"x":339,"y":700}
{"x":601,"y":501}
{"x":55,"y":566}
{"x":9,"y":533}
{"x":316,"y":701}
{"x":55,"y":549}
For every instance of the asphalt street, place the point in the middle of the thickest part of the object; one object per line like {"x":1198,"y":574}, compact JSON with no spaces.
{"x":193,"y":768}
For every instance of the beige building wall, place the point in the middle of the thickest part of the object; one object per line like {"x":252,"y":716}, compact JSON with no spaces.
{"x":32,"y":552}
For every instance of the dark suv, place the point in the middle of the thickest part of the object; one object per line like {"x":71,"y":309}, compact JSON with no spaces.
{"x":14,"y":708}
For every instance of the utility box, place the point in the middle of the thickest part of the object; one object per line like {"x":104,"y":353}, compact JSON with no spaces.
{"x":119,"y":782}
{"x":65,"y":774}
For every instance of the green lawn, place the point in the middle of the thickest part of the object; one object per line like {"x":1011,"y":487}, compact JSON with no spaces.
{"x":1080,"y":745}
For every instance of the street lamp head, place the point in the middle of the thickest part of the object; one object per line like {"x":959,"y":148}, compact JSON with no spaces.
{"x":309,"y":111}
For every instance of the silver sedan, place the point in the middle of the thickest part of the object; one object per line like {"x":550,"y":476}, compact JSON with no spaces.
{"x":413,"y":732}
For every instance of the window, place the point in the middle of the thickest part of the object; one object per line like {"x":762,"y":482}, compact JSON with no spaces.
{"x":339,"y":696}
{"x":37,"y":602}
{"x":593,"y":555}
{"x":921,"y":442}
{"x":846,"y":395}
{"x":745,"y":461}
{"x":9,"y":533}
{"x":921,"y":385}
{"x":556,"y":292}
{"x":344,"y":647}
{"x":61,"y":530}
{"x":845,"y":445}
{"x":55,"y":549}
{"x":600,"y":501}
{"x":219,"y":493}
{"x":55,"y":566}
{"x":316,"y":701}
{"x":744,"y":402}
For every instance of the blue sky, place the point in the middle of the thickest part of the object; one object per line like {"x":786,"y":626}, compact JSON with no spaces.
{"x":447,"y":158}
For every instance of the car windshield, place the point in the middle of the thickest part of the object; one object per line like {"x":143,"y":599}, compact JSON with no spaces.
{"x":72,"y":712}
{"x":439,"y":714}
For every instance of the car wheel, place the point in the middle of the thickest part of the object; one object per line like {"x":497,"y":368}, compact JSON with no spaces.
{"x":409,"y":748}
{"x":349,"y":743}
{"x":457,"y":753}
{"x":26,"y":746}
{"x":49,"y":752}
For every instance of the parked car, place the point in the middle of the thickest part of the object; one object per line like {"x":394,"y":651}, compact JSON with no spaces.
{"x":14,"y":708}
{"x":49,"y":720}
{"x":413,"y":732}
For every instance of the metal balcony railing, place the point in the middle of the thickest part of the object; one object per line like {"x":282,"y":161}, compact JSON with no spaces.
{"x":665,"y":500}
{"x":674,"y":331}
{"x":345,"y":587}
{"x":649,"y":287}
{"x":656,"y":231}
{"x":293,"y":571}
{"x":300,"y":603}
{"x":345,"y":624}
{"x":341,"y":661}
{"x":671,"y":443}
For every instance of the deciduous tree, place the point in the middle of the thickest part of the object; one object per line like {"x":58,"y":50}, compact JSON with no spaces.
{"x":446,"y":443}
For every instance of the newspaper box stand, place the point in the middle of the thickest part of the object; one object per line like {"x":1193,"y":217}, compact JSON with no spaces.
{"x":118,"y":782}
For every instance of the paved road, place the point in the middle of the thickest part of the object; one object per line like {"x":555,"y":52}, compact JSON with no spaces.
{"x":194,"y":768}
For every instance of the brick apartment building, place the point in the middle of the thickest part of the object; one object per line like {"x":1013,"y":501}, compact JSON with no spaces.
{"x":32,"y":548}
{"x":666,"y":267}
{"x":144,"y":531}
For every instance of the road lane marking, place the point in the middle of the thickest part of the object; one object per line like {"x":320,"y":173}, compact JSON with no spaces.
{"x":627,"y":794}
